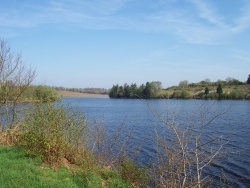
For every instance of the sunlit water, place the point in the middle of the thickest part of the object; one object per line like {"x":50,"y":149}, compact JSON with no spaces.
{"x":233,"y":126}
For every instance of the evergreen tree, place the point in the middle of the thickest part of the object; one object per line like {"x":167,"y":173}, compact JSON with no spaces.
{"x":133,"y":91}
{"x":219,"y":91}
{"x":126,"y":91}
{"x":148,"y":91}
{"x":206,"y":91}
{"x":248,"y":80}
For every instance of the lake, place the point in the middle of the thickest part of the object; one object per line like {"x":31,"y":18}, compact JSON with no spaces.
{"x":233,"y":127}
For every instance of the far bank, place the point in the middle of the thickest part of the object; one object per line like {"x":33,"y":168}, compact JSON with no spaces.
{"x":80,"y":95}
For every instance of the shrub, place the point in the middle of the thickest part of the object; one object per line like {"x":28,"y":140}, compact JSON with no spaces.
{"x":53,"y":132}
{"x":186,"y":94}
{"x":132,"y":173}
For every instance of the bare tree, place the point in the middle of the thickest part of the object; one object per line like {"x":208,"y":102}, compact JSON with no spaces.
{"x":15,"y":78}
{"x":183,"y":83}
{"x":183,"y":158}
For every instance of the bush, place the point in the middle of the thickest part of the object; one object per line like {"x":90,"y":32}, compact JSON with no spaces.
{"x":53,"y":132}
{"x":186,"y":94}
{"x":132,"y":173}
{"x":45,"y":93}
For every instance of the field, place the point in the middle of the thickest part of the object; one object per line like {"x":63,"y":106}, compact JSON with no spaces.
{"x":78,"y":94}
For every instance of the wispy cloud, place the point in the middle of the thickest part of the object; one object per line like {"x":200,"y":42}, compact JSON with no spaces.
{"x":209,"y":13}
{"x":243,"y":22}
{"x":242,"y":56}
{"x":184,"y":23}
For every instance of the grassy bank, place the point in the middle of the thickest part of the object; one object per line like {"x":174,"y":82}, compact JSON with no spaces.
{"x":17,"y":169}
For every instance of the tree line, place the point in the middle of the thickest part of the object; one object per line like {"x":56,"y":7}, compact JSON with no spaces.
{"x":229,"y":89}
{"x":147,"y":91}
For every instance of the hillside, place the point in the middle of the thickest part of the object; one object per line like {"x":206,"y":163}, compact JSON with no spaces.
{"x":197,"y":91}
{"x":230,"y":89}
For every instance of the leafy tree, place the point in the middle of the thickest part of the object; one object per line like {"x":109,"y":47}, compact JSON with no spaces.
{"x":45,"y":93}
{"x":156,"y":85}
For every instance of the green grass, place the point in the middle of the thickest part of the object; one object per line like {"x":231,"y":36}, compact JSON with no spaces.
{"x":19,"y":170}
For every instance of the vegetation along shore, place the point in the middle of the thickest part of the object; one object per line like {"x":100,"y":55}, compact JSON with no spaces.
{"x":230,"y":88}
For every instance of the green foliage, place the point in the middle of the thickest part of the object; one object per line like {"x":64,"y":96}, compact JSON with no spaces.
{"x":105,"y":179}
{"x":206,"y":91}
{"x":133,"y":174}
{"x":51,"y":131}
{"x":236,"y":94}
{"x":219,"y":90}
{"x":181,"y":94}
{"x":186,"y":94}
{"x":45,"y":93}
{"x":150,"y":90}
{"x":176,"y":95}
{"x":183,"y":83}
{"x":40,"y":92}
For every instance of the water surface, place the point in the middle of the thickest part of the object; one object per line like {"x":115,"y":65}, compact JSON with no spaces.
{"x":233,"y":126}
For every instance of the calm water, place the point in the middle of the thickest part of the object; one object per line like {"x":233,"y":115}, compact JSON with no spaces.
{"x":233,"y":126}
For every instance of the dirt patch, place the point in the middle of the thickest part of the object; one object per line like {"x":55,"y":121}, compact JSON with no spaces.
{"x":78,"y":94}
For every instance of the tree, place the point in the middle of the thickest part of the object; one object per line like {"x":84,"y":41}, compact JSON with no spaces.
{"x":126,"y":90}
{"x":183,"y":83}
{"x":207,"y":80}
{"x":206,"y":91}
{"x":219,"y":91}
{"x":133,"y":91}
{"x":15,"y":78}
{"x":156,"y":85}
{"x":148,"y":91}
{"x":248,"y":80}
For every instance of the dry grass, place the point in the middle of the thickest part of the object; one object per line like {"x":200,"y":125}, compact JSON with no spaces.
{"x":80,"y":95}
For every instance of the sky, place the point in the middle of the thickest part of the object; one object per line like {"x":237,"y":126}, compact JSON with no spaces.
{"x":99,"y":43}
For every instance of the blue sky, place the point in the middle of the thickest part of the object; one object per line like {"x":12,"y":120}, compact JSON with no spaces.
{"x":98,"y":43}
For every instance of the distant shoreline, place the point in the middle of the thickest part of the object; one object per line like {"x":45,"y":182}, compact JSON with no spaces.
{"x":64,"y":94}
